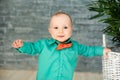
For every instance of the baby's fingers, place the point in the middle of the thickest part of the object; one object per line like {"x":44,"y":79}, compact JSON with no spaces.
{"x":106,"y":51}
{"x":105,"y":55}
{"x":17,"y":43}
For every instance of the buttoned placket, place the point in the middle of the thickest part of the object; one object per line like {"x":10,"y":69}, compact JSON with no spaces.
{"x":60,"y":71}
{"x":60,"y":65}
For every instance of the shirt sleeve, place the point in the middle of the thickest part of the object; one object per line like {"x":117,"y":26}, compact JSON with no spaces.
{"x":31,"y":48}
{"x":90,"y":51}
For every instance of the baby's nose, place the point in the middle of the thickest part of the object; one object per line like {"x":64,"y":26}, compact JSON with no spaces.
{"x":61,"y":31}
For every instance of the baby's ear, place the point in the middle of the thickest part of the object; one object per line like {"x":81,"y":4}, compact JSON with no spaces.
{"x":49,"y":30}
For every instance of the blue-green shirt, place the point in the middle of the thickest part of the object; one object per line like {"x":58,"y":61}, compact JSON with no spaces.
{"x":58,"y":64}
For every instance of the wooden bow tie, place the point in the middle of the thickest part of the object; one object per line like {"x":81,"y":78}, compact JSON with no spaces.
{"x":63,"y":45}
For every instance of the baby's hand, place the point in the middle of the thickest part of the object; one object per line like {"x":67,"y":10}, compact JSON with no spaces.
{"x":105,"y":54}
{"x":17,"y":43}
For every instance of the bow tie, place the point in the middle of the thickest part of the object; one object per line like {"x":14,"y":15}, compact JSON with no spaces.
{"x":63,"y":45}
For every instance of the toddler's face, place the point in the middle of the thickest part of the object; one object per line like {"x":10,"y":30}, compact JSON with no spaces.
{"x":60,"y":27}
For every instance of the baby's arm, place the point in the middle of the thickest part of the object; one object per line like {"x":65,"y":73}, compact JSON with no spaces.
{"x":17,"y":43}
{"x":31,"y":48}
{"x":90,"y":51}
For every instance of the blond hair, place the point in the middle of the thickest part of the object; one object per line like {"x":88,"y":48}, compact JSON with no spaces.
{"x":62,"y":13}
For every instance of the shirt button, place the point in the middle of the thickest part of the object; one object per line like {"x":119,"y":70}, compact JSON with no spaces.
{"x":61,"y":68}
{"x":60,"y":74}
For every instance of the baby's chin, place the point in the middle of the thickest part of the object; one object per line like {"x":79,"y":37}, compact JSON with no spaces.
{"x":62,"y":40}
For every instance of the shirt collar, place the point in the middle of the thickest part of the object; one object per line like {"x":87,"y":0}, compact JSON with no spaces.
{"x":51,"y":41}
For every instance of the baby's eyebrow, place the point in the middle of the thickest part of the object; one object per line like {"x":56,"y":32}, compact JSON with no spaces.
{"x":65,"y":26}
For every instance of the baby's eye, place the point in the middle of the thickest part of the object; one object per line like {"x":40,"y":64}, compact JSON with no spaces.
{"x":65,"y":27}
{"x":55,"y":27}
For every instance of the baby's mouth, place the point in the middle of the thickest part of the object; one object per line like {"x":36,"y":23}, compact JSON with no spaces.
{"x":61,"y":36}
